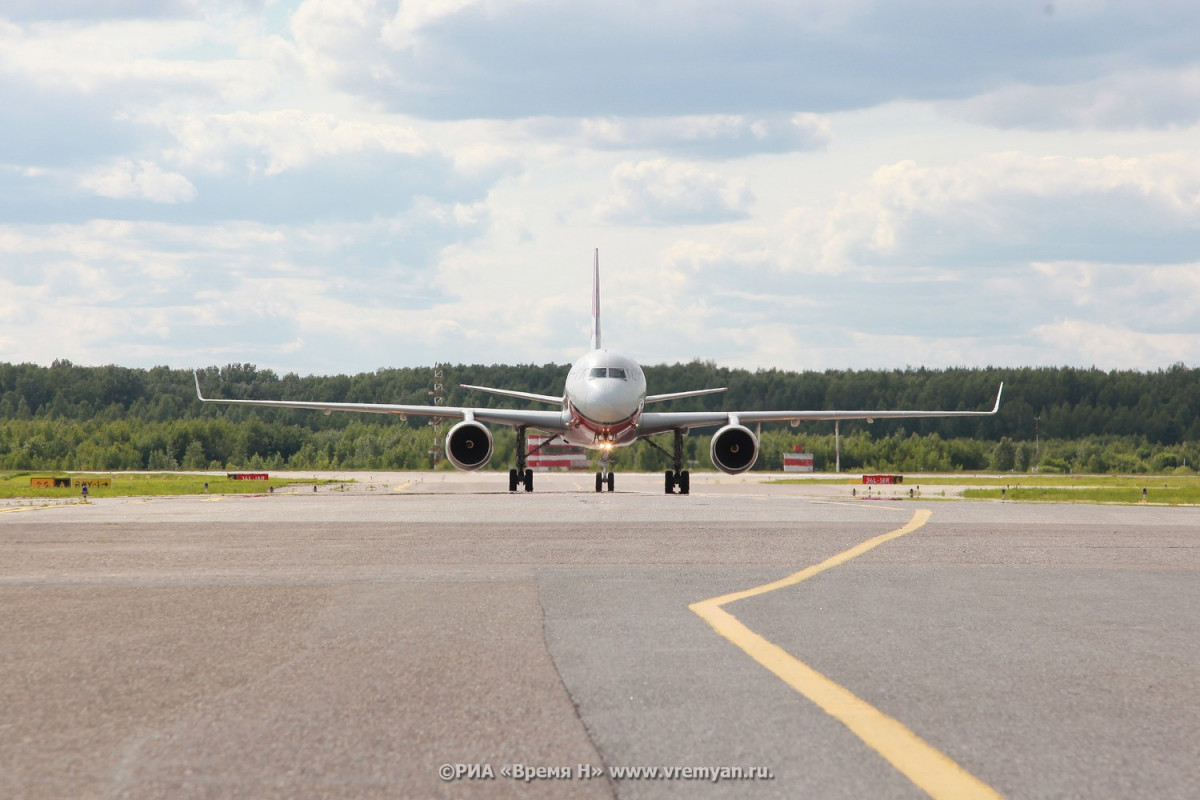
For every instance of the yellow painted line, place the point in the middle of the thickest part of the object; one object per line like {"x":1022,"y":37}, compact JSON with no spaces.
{"x":926,"y":766}
{"x":214,"y":499}
{"x":33,"y":508}
{"x":402,"y":487}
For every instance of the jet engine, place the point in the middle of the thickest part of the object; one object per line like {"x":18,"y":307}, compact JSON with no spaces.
{"x":469,"y":445}
{"x":734,"y":449}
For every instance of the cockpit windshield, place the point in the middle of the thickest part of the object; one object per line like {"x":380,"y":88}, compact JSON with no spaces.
{"x":606,"y":372}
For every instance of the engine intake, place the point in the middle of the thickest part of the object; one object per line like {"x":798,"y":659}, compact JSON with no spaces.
{"x":734,"y":449}
{"x":469,"y":445}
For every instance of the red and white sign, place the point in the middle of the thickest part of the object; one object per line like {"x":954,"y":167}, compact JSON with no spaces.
{"x":882,"y":480}
{"x":557,"y":456}
{"x":798,"y":460}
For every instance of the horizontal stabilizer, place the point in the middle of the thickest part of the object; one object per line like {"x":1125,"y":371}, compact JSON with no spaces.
{"x":540,"y":398}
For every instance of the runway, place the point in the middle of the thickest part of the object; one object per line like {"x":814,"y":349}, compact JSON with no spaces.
{"x":358,"y":643}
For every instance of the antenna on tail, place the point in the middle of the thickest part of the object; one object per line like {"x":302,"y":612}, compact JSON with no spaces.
{"x":596,"y":301}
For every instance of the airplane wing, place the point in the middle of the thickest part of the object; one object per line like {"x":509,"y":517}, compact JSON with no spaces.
{"x":651,"y":423}
{"x":549,"y":421}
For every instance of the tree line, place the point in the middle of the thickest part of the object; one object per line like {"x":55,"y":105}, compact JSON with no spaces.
{"x":1056,"y":419}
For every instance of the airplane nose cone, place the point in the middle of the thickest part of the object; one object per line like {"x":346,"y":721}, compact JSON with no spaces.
{"x":609,"y":406}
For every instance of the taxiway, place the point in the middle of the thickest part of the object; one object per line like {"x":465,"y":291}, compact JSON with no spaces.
{"x":351,"y":644}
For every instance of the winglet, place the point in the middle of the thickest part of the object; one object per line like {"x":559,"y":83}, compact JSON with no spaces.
{"x":596,"y":301}
{"x":200,"y":397}
{"x":998,"y":393}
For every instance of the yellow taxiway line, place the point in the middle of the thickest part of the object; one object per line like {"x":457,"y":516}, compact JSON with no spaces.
{"x":926,"y":766}
{"x":18,"y":509}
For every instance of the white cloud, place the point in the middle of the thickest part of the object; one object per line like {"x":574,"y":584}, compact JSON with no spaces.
{"x":660,"y":192}
{"x":403,"y":29}
{"x":1116,"y":346}
{"x":137,"y":62}
{"x":138,"y":179}
{"x":1015,"y":206}
{"x":273,"y":142}
{"x":1139,"y":98}
{"x":700,"y":136}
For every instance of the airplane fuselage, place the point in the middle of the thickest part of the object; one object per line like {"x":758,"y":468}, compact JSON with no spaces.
{"x":605,"y":395}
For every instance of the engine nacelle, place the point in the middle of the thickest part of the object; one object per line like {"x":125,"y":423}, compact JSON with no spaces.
{"x":469,"y":445}
{"x":734,"y":449}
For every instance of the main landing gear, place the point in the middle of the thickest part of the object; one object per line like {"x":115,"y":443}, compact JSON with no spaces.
{"x":678,"y":478}
{"x":521,"y":475}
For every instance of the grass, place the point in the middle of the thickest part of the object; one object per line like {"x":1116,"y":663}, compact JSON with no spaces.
{"x":138,"y":484}
{"x":1169,"y":495}
{"x":1023,"y":480}
{"x":1162,"y":489}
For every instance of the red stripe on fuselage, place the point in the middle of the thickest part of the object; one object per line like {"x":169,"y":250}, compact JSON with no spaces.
{"x":613,"y":429}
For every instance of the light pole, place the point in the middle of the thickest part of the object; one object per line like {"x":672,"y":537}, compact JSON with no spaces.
{"x":1037,"y":444}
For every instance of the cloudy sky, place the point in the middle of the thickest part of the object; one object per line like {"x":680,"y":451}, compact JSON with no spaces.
{"x":341,"y":185}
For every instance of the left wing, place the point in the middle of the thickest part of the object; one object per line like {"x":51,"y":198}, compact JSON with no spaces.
{"x":550,"y":421}
{"x":651,"y":423}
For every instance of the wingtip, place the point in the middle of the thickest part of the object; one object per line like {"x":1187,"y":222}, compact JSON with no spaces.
{"x":999,"y":392}
{"x":196,"y":375}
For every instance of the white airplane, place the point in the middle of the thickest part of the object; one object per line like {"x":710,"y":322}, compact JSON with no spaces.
{"x":602,"y":407}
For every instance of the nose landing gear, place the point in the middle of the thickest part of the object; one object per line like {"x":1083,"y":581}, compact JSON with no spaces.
{"x":605,"y":476}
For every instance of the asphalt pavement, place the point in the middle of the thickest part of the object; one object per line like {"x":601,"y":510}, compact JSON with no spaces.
{"x":431,"y":635}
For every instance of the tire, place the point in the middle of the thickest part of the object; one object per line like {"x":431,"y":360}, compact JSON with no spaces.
{"x":669,"y":482}
{"x":599,"y":482}
{"x":512,"y":480}
{"x":685,"y":482}
{"x":611,"y":480}
{"x":529,"y":480}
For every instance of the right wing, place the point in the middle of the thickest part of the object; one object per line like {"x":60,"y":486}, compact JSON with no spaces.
{"x":550,"y":421}
{"x":651,"y":423}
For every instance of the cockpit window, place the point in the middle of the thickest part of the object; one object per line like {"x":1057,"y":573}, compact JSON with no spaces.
{"x":606,"y":372}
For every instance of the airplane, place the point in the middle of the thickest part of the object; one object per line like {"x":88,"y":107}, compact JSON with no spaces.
{"x":602,"y":407}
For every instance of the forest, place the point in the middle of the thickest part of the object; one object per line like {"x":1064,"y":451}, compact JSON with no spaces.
{"x":1053,"y":419}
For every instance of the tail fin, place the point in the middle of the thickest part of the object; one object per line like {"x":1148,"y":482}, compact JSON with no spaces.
{"x":596,"y":301}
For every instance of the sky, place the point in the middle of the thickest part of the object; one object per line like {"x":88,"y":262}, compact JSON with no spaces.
{"x":339,"y":186}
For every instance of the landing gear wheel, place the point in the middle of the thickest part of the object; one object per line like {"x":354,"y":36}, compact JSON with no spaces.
{"x":529,"y":480}
{"x":512,"y":480}
{"x":611,"y":480}
{"x":599,"y":482}
{"x":669,"y":482}
{"x":685,"y":482}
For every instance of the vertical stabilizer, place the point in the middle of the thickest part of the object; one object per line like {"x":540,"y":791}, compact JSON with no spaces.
{"x":596,"y":301}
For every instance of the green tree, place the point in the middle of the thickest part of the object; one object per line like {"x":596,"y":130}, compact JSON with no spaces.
{"x":1004,"y":456}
